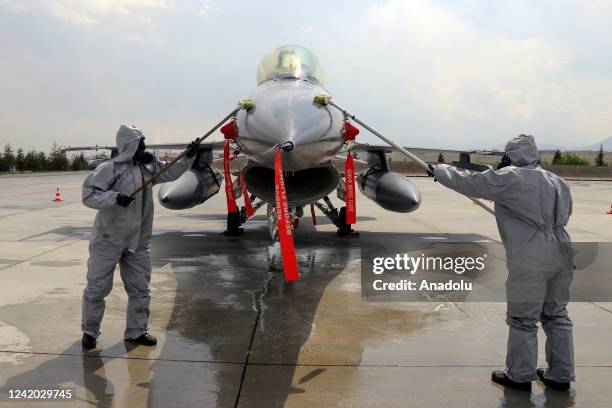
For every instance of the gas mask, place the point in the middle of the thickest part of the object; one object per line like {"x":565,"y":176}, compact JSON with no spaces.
{"x":505,"y":162}
{"x":141,"y":155}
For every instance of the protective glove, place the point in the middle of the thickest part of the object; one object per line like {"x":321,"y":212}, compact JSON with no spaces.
{"x":124,"y":200}
{"x":192,"y":149}
{"x":430,"y":173}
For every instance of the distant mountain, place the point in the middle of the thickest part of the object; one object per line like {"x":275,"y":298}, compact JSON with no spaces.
{"x":606,"y":143}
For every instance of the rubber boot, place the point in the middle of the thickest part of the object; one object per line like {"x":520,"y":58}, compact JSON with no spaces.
{"x":500,"y":378}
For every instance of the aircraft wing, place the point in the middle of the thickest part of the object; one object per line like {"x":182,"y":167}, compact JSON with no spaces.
{"x":167,"y":146}
{"x":365,"y":147}
{"x":464,"y":155}
{"x":79,"y":148}
{"x":183,"y":146}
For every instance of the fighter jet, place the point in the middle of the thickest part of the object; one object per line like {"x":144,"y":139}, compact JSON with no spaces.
{"x":287,"y":123}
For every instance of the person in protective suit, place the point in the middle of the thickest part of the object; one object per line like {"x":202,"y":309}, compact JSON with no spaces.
{"x":532,"y":207}
{"x":122,"y":232}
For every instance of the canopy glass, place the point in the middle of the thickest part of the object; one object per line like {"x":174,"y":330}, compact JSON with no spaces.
{"x":290,"y":62}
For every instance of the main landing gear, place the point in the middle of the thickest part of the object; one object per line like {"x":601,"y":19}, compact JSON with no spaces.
{"x":338,"y":218}
{"x":236,"y":219}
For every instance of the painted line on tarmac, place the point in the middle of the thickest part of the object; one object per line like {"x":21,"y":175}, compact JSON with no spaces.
{"x":36,"y":256}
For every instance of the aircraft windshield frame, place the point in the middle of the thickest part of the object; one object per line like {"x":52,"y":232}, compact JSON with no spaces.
{"x":290,"y":62}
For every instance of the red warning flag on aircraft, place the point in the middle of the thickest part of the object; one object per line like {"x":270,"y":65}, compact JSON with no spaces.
{"x":229,"y":187}
{"x":247,"y":199}
{"x":283,"y":221}
{"x":349,"y":178}
{"x":350,"y":131}
{"x":230,"y":130}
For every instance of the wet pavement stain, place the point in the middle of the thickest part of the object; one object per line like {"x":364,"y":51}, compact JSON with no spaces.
{"x":224,"y":286}
{"x":225,"y":301}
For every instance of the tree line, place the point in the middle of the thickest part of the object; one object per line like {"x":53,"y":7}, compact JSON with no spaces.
{"x":57,"y":160}
{"x":568,"y":158}
{"x":564,"y":158}
{"x":34,"y":160}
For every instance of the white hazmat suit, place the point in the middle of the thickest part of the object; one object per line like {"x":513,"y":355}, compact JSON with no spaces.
{"x":532,"y":207}
{"x":122,"y":234}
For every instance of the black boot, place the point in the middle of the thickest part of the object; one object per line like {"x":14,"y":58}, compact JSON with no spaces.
{"x":145,"y":340}
{"x":88,"y":342}
{"x":561,"y":386}
{"x":500,"y":378}
{"x":233,"y":224}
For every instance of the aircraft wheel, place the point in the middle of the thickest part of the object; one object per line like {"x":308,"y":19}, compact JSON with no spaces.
{"x":272,"y":223}
{"x":233,"y":225}
{"x":344,"y":229}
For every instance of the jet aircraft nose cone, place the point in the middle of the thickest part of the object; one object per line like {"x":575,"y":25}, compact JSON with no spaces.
{"x":286,"y":116}
{"x":287,"y":146}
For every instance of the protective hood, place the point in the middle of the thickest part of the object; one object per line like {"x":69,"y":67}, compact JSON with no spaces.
{"x":128,"y":138}
{"x":522,"y":150}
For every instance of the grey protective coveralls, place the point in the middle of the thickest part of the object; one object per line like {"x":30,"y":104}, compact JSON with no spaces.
{"x":532,"y":207}
{"x":122,"y":234}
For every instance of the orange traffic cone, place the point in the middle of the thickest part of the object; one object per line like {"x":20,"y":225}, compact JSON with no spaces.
{"x":58,"y":196}
{"x":610,"y":212}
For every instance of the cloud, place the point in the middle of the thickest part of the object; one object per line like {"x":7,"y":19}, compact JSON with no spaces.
{"x":89,"y":12}
{"x":456,"y":73}
{"x":129,"y":8}
{"x":13,"y":5}
{"x":460,"y":76}
{"x":458,"y":60}
{"x":135,"y":38}
{"x":73,"y":16}
{"x":206,"y":9}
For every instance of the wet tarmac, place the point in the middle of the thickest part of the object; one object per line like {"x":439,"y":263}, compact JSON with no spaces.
{"x":231,"y":333}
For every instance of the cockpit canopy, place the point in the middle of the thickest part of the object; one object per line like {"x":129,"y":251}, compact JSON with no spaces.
{"x":290,"y":62}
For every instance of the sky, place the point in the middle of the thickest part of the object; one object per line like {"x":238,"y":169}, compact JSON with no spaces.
{"x":427,"y":73}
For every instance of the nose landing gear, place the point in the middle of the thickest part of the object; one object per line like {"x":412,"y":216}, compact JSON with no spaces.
{"x":338,"y":218}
